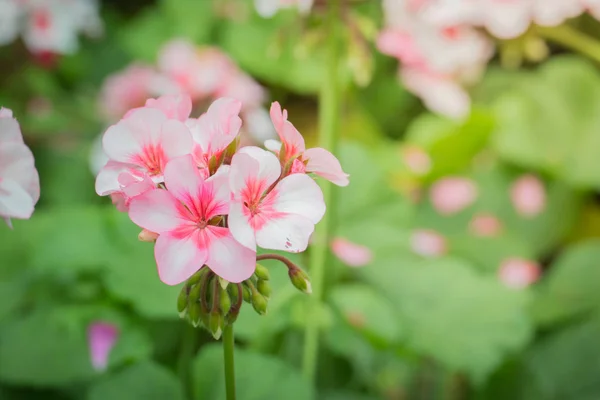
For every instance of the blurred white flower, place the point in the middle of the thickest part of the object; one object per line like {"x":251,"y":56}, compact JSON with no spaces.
{"x":268,"y":8}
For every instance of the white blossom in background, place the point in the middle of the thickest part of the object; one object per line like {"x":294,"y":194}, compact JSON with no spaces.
{"x":49,"y":26}
{"x":268,"y":8}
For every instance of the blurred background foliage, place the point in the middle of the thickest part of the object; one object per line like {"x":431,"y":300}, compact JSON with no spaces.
{"x":405,"y":326}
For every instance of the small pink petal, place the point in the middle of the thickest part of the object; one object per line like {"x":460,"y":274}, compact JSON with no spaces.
{"x":147,"y":236}
{"x":179,"y":255}
{"x":416,"y":159}
{"x":519,"y":273}
{"x":158,"y":211}
{"x":102,"y":336}
{"x":177,"y":107}
{"x":528,"y":195}
{"x":428,"y":243}
{"x":326,"y":165}
{"x":228,"y":258}
{"x":352,"y":254}
{"x":452,"y":195}
{"x":288,"y":134}
{"x":485,"y":225}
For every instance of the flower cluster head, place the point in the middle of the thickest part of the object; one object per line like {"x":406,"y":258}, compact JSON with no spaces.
{"x":49,"y":26}
{"x":205,"y":199}
{"x":19,"y":181}
{"x":442,"y":47}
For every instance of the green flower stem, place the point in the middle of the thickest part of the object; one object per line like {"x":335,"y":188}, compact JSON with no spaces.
{"x":572,"y":39}
{"x":228,"y":346}
{"x":187,"y":351}
{"x":329,"y":109}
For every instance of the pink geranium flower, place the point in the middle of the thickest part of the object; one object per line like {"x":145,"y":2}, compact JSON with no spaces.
{"x":102,"y":337}
{"x":215,"y":130}
{"x":352,"y":254}
{"x":187,"y":216}
{"x":519,"y":273}
{"x":528,"y":195}
{"x":452,"y":195}
{"x":485,"y":225}
{"x":268,"y":212}
{"x":19,"y":181}
{"x":428,"y":243}
{"x":174,"y":106}
{"x":141,"y":145}
{"x":292,"y":149}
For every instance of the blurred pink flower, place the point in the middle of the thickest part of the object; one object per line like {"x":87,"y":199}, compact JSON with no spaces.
{"x":485,"y":225}
{"x":518,"y":273}
{"x":416,"y":159}
{"x":316,"y":160}
{"x":452,"y":195}
{"x":267,"y":211}
{"x":19,"y":181}
{"x":528,"y":195}
{"x":102,"y":337}
{"x":428,"y":243}
{"x":268,"y":8}
{"x":351,"y":254}
{"x":186,"y":216}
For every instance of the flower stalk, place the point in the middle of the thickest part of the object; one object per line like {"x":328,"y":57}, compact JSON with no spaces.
{"x":573,"y":39}
{"x":228,"y":346}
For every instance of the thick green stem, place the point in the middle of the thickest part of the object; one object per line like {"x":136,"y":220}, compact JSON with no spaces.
{"x":186,"y":354}
{"x":572,"y":39}
{"x":228,"y":346}
{"x":329,"y":109}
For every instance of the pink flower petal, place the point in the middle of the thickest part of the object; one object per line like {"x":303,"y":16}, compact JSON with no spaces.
{"x":485,"y":225}
{"x":15,"y":202}
{"x":326,"y":165}
{"x":228,"y":258}
{"x":253,"y":170}
{"x":518,"y":273}
{"x":158,"y":211}
{"x":102,"y":337}
{"x":107,"y":181}
{"x":177,"y":107}
{"x":416,"y":159}
{"x":218,"y":127}
{"x":428,"y":243}
{"x":452,"y":195}
{"x":240,"y":226}
{"x":528,"y":196}
{"x":179,"y":255}
{"x":300,"y":195}
{"x":288,"y":134}
{"x":351,"y":254}
{"x":285,"y":232}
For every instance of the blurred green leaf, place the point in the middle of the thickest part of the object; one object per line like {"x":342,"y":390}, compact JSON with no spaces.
{"x":570,"y":288}
{"x":466,"y":321}
{"x":258,"y":376}
{"x":146,"y":380}
{"x":550,"y":121}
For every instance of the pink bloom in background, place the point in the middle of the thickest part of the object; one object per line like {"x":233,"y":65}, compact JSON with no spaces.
{"x":186,"y":217}
{"x":102,"y":337}
{"x":428,"y":243}
{"x":177,"y":107}
{"x":10,"y":16}
{"x":279,"y":217}
{"x":452,"y":195}
{"x":19,"y":181}
{"x":416,"y":159}
{"x":316,"y":160}
{"x":215,"y":130}
{"x":519,"y":273}
{"x":268,"y":8}
{"x":141,"y":145}
{"x":485,"y":225}
{"x":351,"y":254}
{"x":528,"y":195}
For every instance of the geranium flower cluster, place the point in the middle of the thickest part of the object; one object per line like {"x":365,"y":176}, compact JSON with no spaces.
{"x":187,"y":183}
{"x":444,"y":45}
{"x":19,"y":181}
{"x":49,"y":26}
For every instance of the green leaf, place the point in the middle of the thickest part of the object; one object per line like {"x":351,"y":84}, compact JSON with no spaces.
{"x":189,"y":19}
{"x":146,"y":380}
{"x":570,"y":287}
{"x":258,"y":377}
{"x":466,"y":321}
{"x":550,"y":121}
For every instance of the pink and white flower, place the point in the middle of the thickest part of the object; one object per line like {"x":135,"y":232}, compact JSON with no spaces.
{"x":267,"y":211}
{"x":528,"y":196}
{"x":428,"y":243}
{"x":292,"y":149}
{"x":268,"y":8}
{"x":19,"y":181}
{"x":485,"y":225}
{"x":351,"y":254}
{"x":518,"y":273}
{"x":452,"y":195}
{"x":102,"y":337}
{"x":187,"y":216}
{"x":139,"y":145}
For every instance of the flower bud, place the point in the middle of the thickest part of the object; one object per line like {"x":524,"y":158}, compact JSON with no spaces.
{"x":259,"y":302}
{"x":147,"y":236}
{"x":262,"y":272}
{"x":232,"y":290}
{"x":300,"y":280}
{"x":224,"y":302}
{"x":182,"y":300}
{"x":194,"y":279}
{"x":264,"y":288}
{"x":247,"y":294}
{"x":194,"y":312}
{"x":215,"y":324}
